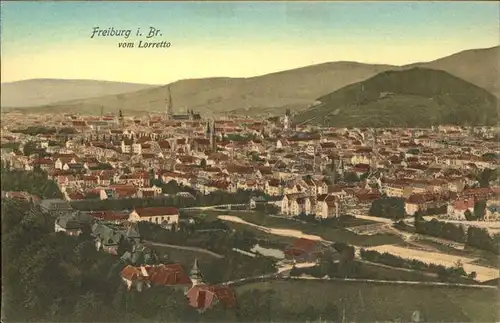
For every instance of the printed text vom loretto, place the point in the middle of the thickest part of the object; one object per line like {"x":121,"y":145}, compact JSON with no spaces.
{"x":150,"y":36}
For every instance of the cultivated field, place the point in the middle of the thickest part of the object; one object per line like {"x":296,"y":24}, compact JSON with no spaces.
{"x":483,"y":273}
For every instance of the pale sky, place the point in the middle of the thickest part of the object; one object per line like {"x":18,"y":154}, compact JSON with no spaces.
{"x":238,"y":39}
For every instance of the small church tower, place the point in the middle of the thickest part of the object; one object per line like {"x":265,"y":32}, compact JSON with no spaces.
{"x":195,"y":274}
{"x":286,"y":120}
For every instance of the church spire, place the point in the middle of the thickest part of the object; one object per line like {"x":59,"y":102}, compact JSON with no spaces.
{"x":168,"y":105}
{"x":209,"y":131}
{"x":213,"y":144}
{"x":195,"y":274}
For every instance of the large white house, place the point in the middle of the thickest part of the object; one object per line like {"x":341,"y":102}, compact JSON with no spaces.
{"x":295,"y":204}
{"x":165,"y":216}
{"x":327,"y":206}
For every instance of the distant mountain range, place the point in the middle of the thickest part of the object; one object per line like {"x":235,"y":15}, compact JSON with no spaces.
{"x":405,"y":98}
{"x":296,"y":89}
{"x":38,"y":92}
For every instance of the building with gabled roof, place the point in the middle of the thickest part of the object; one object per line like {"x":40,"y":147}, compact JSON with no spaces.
{"x":165,"y":216}
{"x":203,"y":297}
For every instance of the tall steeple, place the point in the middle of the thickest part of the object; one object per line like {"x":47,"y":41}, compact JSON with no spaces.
{"x":168,"y":105}
{"x":208,"y":132}
{"x":120,"y":118}
{"x":195,"y":274}
{"x":213,"y":143}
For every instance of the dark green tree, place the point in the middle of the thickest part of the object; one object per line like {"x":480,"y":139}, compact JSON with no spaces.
{"x":469,"y":216}
{"x":480,"y":209}
{"x":351,"y":177}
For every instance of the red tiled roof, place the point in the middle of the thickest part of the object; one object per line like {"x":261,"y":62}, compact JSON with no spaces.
{"x":172,"y":274}
{"x":132,"y":273}
{"x":156,"y":211}
{"x":109,"y":215}
{"x":225,"y":295}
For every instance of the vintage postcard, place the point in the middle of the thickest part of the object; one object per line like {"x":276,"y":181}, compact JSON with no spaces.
{"x":250,"y":161}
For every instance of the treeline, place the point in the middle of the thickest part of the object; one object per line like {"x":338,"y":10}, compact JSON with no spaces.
{"x":444,"y":273}
{"x":394,"y":208}
{"x":440,"y":229}
{"x":172,"y":187}
{"x":32,"y":182}
{"x":481,"y":239}
{"x":214,"y":198}
{"x":474,"y":237}
{"x":478,"y":213}
{"x":388,"y":207}
{"x":52,"y":277}
{"x":267,"y":208}
{"x":336,"y":261}
{"x":488,"y":175}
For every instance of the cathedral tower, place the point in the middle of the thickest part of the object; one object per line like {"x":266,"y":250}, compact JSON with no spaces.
{"x":168,"y":105}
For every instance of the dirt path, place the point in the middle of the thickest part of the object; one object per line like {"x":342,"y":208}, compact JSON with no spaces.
{"x":276,"y":276}
{"x":280,"y":232}
{"x":195,"y":249}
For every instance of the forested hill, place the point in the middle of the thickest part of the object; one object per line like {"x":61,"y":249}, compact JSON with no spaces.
{"x":415,"y":97}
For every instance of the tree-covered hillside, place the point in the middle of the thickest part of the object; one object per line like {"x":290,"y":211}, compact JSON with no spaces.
{"x":415,"y":97}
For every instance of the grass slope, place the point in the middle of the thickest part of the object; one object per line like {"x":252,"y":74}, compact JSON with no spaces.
{"x":406,"y":98}
{"x":371,"y":302}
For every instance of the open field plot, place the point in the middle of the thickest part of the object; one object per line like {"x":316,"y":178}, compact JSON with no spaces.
{"x":323,"y":230}
{"x":265,"y":239}
{"x":369,"y":302}
{"x":483,"y":258}
{"x":382,"y":272}
{"x":447,"y":260}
